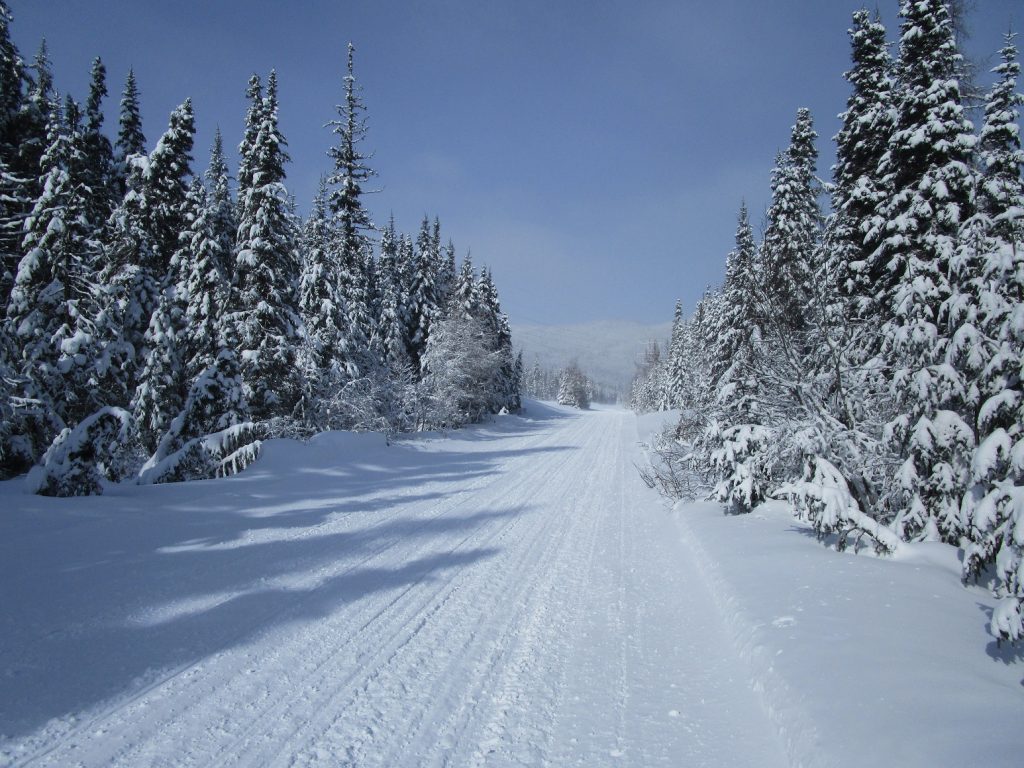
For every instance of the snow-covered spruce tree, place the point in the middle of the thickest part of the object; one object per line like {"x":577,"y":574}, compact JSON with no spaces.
{"x":393,"y":319}
{"x":448,"y":272}
{"x":130,"y":281}
{"x":676,"y":365}
{"x":159,"y":394}
{"x":464,"y":299}
{"x":407,"y":268}
{"x":167,"y":180}
{"x":863,"y":139}
{"x":16,"y":451}
{"x":423,"y":292}
{"x":15,"y":203}
{"x":724,"y":341}
{"x":221,"y":207}
{"x":928,"y":168}
{"x":325,"y":358}
{"x":130,"y":139}
{"x":16,"y":186}
{"x":650,"y":383}
{"x":351,"y":222}
{"x":12,"y":79}
{"x":738,"y":451}
{"x":792,"y":231}
{"x":572,"y":387}
{"x":991,"y":306}
{"x":144,"y":233}
{"x":738,"y":321}
{"x":34,"y":119}
{"x":203,"y":284}
{"x":506,"y":386}
{"x":266,"y":327}
{"x":246,"y":148}
{"x":49,"y":310}
{"x":99,"y":154}
{"x":460,"y":364}
{"x":79,"y":460}
{"x":1000,"y":196}
{"x":212,"y":435}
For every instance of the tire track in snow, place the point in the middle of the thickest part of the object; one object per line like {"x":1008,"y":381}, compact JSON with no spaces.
{"x":360,"y":711}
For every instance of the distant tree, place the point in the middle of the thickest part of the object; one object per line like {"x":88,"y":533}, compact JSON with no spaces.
{"x":572,"y":387}
{"x":460,"y":365}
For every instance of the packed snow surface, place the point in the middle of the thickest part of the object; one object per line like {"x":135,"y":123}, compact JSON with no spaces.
{"x":508,"y":595}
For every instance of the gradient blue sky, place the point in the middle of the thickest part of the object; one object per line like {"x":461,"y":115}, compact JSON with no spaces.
{"x":593,"y":153}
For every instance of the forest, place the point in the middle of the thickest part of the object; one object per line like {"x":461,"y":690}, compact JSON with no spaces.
{"x":863,"y":357}
{"x":158,"y":323}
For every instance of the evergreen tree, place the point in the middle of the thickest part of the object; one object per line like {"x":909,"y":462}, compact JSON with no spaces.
{"x":990,"y":307}
{"x":506,"y":387}
{"x":167,"y":181}
{"x":12,"y":78}
{"x":676,"y":364}
{"x":202,"y":286}
{"x":793,"y":228}
{"x":423,"y":308}
{"x":465,"y":299}
{"x":131,"y":276}
{"x":393,"y":320}
{"x":49,"y":310}
{"x":860,"y":146}
{"x":253,"y":122}
{"x":732,"y":342}
{"x":221,"y":209}
{"x":159,"y":396}
{"x":99,"y":155}
{"x":326,"y":356}
{"x":144,"y":237}
{"x":1000,"y":194}
{"x":14,"y":203}
{"x":351,"y":220}
{"x":18,"y":188}
{"x":928,"y":169}
{"x":34,"y":120}
{"x":572,"y":387}
{"x":130,"y":139}
{"x":266,"y":327}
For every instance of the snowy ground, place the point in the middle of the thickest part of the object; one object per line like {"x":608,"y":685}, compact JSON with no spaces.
{"x":512,"y":595}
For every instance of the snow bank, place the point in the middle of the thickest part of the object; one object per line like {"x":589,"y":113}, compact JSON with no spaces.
{"x":861,"y":660}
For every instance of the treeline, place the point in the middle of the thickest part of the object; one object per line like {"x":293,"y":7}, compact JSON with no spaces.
{"x":867,"y":364}
{"x":568,"y":386}
{"x":159,"y":323}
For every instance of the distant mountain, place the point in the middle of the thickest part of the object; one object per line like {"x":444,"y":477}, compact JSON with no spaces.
{"x":607,"y":350}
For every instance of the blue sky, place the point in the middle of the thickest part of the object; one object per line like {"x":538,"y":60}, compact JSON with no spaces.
{"x":594,"y":154}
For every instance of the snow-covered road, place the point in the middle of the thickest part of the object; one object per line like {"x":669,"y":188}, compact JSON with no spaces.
{"x":509,"y":596}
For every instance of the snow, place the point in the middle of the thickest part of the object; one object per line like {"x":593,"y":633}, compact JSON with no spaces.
{"x":511,"y":594}
{"x":858,"y":659}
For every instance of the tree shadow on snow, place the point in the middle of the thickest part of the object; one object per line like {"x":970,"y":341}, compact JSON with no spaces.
{"x":102,"y":596}
{"x":1003,"y":652}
